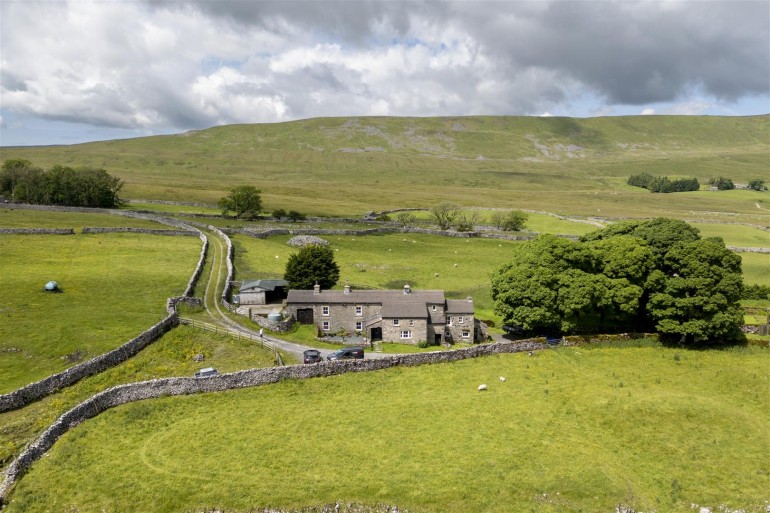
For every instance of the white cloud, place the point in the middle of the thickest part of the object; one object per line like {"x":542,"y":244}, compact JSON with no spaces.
{"x":648,"y":112}
{"x":183,"y":65}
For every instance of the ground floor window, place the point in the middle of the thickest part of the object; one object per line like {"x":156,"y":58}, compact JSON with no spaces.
{"x":466,"y":334}
{"x":359,"y":326}
{"x":325,"y":326}
{"x":406,"y":334}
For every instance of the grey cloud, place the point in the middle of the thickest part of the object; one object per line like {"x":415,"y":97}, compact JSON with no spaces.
{"x":632,"y":52}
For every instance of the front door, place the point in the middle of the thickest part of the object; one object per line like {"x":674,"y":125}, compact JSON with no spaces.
{"x":305,"y":316}
{"x":376,"y":334}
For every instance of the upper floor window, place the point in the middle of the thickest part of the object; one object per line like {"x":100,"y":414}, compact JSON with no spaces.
{"x":395,"y":322}
{"x":460,"y":320}
{"x":359,"y":310}
{"x":324,"y":310}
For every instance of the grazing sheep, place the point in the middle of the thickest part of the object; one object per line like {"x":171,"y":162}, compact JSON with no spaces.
{"x":531,"y":353}
{"x":502,"y":378}
{"x":482,"y":387}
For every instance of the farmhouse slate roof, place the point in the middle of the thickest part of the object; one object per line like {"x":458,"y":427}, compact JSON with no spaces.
{"x":422,"y":297}
{"x":268,"y":285}
{"x":399,"y":310}
{"x":459,"y":306}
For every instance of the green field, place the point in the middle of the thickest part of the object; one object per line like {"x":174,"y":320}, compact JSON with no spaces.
{"x":322,"y":166}
{"x":574,"y":429}
{"x":169,"y":356}
{"x":391,"y":261}
{"x":22,"y":218}
{"x":114,"y":287}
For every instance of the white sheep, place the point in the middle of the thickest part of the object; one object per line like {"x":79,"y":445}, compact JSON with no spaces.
{"x":482,"y":387}
{"x":502,"y":378}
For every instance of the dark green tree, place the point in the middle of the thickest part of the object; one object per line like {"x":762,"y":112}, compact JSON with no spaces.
{"x":656,"y":275}
{"x":295,"y":216}
{"x":279,"y":214}
{"x":699,"y":299}
{"x":245,"y":201}
{"x":757,"y":185}
{"x":312,"y":264}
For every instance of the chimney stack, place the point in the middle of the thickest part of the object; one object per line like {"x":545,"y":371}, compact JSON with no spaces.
{"x":346,"y":290}
{"x":316,"y":288}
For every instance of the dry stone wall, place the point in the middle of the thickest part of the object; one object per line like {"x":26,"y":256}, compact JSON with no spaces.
{"x":37,"y":231}
{"x":128,"y":229}
{"x":35,"y":391}
{"x":132,"y":392}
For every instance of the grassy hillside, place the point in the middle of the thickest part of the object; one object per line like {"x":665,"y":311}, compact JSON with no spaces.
{"x":573,"y":429}
{"x":351,"y":165}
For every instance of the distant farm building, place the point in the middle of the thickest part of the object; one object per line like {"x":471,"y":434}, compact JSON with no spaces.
{"x":261,"y":292}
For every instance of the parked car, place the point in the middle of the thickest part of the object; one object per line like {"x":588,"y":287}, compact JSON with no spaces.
{"x":347,"y":353}
{"x":513,"y":329}
{"x":312,"y":356}
{"x":206,"y":372}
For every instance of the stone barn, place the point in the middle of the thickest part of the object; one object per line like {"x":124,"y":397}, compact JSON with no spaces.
{"x":262,"y":292}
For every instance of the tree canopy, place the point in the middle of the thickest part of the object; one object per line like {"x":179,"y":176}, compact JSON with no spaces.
{"x":641,"y":276}
{"x":312,"y":264}
{"x":245,"y":201}
{"x":61,"y":185}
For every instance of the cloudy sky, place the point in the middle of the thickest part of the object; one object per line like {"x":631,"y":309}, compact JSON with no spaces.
{"x":78,"y":70}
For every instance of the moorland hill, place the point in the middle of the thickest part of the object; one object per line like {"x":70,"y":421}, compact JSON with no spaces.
{"x":352,"y":165}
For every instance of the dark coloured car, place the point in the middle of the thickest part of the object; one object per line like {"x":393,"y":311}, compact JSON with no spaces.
{"x":206,"y":372}
{"x":513,"y":329}
{"x":347,"y":353}
{"x":312,"y":356}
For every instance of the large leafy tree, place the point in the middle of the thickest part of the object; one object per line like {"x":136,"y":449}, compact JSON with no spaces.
{"x":245,"y":201}
{"x":641,"y":275}
{"x":312,"y":264}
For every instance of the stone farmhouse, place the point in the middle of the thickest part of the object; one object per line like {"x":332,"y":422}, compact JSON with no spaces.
{"x":406,"y":316}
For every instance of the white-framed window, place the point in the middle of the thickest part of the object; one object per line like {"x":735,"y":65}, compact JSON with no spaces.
{"x":460,"y":320}
{"x":466,"y":334}
{"x":325,"y":310}
{"x":411,"y":322}
{"x":395,"y":322}
{"x":359,"y":326}
{"x":359,"y":310}
{"x":325,"y":325}
{"x":449,"y":320}
{"x":405,"y":334}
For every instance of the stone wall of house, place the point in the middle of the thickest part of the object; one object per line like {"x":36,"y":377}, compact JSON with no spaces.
{"x":456,"y":328}
{"x":418,"y":327}
{"x":152,"y":389}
